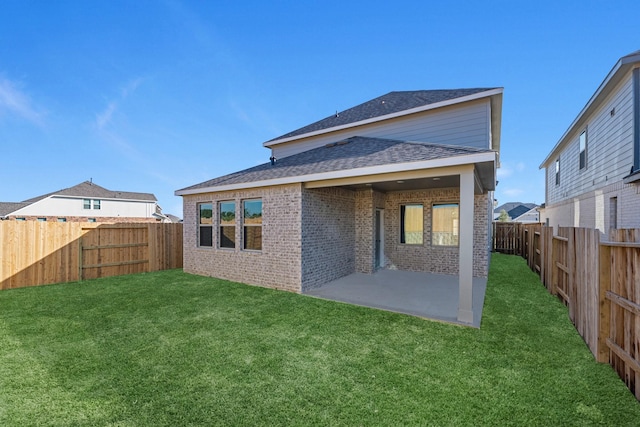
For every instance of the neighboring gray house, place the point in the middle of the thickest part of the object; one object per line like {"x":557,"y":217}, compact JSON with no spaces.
{"x":593,"y":172}
{"x":518,"y":212}
{"x":86,"y":201}
{"x":405,"y":179}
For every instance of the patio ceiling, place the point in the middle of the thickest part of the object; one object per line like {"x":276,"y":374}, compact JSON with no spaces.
{"x":443,"y":177}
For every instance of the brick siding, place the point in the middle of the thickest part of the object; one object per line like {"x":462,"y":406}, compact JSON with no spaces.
{"x":313,"y":236}
{"x":593,"y":209}
{"x":277,"y":265}
{"x":328,"y":235}
{"x":426,"y":257}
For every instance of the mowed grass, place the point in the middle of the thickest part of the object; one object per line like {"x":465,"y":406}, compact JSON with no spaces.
{"x":170,"y":348}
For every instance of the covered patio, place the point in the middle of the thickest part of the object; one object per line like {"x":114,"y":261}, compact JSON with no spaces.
{"x":428,"y":295}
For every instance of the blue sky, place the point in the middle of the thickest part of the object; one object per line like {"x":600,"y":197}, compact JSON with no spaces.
{"x":154,"y":96}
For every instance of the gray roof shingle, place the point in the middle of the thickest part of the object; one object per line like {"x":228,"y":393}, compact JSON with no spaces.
{"x":354,"y":152}
{"x":7,"y":207}
{"x":392,"y":102}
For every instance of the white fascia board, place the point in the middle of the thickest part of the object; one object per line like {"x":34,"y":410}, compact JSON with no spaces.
{"x":603,"y":90}
{"x":489,"y":156}
{"x":473,"y":97}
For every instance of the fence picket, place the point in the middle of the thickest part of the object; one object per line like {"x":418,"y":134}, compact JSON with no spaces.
{"x":36,"y":253}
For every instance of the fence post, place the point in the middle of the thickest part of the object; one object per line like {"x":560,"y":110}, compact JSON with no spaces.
{"x":604,"y":285}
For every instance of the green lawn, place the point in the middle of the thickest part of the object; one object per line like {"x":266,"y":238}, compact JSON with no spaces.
{"x":173,"y":349}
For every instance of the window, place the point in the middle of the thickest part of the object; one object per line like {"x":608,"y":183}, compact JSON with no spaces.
{"x":613,"y":212}
{"x":91,"y":220}
{"x":252,"y":224}
{"x":205,"y":224}
{"x":583,"y":149}
{"x":411,"y":224}
{"x":62,"y":219}
{"x":558,"y":171}
{"x":227,"y":224}
{"x":21,"y":219}
{"x":86,"y":204}
{"x":42,"y":219}
{"x":446,"y":224}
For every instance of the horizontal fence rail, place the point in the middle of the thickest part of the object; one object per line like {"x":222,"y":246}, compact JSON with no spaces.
{"x":37,"y":253}
{"x":598,"y":281}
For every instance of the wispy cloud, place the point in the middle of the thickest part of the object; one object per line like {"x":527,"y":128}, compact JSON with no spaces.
{"x":506,"y":169}
{"x":16,"y":102}
{"x":504,"y":172}
{"x":513,"y":192}
{"x":104,"y":118}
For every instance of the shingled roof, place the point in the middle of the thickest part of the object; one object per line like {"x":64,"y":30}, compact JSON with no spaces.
{"x":392,"y":102}
{"x":351,"y":153}
{"x":7,"y":207}
{"x":92,"y":190}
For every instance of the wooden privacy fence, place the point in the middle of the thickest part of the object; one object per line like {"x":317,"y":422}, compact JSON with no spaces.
{"x":36,"y":253}
{"x":598,"y":281}
{"x":619,"y":328}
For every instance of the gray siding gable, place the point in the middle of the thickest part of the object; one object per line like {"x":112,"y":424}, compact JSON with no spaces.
{"x":467,"y":124}
{"x":392,"y":102}
{"x":609,"y":131}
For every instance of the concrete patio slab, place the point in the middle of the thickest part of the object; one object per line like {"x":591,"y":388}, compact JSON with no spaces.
{"x":428,"y":295}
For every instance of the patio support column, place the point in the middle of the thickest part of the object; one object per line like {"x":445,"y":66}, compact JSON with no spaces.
{"x":465,"y":241}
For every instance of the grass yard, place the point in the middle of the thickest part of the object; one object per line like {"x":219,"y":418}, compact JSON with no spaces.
{"x":173,"y":349}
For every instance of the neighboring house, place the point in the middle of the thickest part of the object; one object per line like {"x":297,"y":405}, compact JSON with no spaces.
{"x":173,"y":218}
{"x":404,"y":180}
{"x":86,"y":202}
{"x":593,"y":172}
{"x":518,"y":212}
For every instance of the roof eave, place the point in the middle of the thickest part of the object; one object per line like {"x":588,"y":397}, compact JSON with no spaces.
{"x":614,"y":77}
{"x":454,"y":101}
{"x":488,"y":156}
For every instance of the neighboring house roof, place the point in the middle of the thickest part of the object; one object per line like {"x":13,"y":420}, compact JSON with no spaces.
{"x":614,"y":77}
{"x":7,"y":207}
{"x":90,"y":189}
{"x":514,"y":209}
{"x":86,"y":189}
{"x":523,"y":216}
{"x":174,"y":218}
{"x":395,"y":104}
{"x":351,"y":153}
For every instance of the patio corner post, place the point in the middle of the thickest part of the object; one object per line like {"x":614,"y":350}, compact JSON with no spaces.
{"x":465,"y":288}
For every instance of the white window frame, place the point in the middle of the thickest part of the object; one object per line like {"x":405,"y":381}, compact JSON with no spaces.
{"x":245,"y":224}
{"x":436,"y":239}
{"x":402,"y":225}
{"x":234,"y":225}
{"x":582,"y":150}
{"x":202,"y":225}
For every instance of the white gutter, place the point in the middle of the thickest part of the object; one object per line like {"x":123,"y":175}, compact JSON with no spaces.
{"x":349,"y":173}
{"x":478,"y":95}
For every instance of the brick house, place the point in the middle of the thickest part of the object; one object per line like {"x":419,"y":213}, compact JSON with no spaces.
{"x":403,"y":181}
{"x":592,"y":175}
{"x":85,"y":202}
